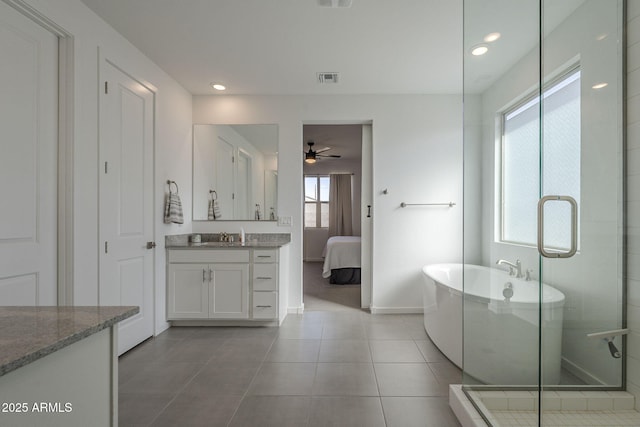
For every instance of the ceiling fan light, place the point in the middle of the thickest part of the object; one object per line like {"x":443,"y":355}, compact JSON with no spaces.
{"x":310,"y":157}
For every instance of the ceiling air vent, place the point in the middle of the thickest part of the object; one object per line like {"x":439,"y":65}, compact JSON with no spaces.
{"x":326,"y":78}
{"x":334,"y":3}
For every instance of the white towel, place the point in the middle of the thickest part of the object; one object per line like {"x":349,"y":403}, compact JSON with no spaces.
{"x":173,"y":209}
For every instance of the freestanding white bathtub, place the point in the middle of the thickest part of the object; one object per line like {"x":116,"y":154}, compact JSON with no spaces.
{"x":500,"y":330}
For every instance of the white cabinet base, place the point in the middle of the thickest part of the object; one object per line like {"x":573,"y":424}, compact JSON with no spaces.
{"x":213,"y":287}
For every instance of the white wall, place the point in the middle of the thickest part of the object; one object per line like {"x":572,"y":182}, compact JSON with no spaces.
{"x":591,"y":279}
{"x":172,"y":146}
{"x":417,"y":147}
{"x":474,"y":235}
{"x":633,"y":198}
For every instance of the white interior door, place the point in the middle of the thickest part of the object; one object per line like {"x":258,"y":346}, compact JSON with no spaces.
{"x":28,"y":164}
{"x":126,"y":200}
{"x":225,"y":178}
{"x":243,"y":187}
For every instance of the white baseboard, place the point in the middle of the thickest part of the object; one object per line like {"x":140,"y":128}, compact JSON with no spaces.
{"x":373,"y":310}
{"x":397,"y":310}
{"x":161,"y":328}
{"x":296,"y":310}
{"x":239,"y":322}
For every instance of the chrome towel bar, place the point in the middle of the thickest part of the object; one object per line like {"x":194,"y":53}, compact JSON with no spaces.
{"x":404,"y":205}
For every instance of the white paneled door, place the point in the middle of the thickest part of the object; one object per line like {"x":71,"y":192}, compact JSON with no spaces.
{"x":126,"y":200}
{"x":225,"y":186}
{"x":28,"y":161}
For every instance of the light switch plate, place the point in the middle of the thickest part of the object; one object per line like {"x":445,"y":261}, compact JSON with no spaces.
{"x":284,"y":221}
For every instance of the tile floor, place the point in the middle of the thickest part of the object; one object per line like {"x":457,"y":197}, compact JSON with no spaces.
{"x":320,"y":295}
{"x":322,"y":368}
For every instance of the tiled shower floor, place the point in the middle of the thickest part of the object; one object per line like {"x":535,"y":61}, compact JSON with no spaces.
{"x":563,"y":408}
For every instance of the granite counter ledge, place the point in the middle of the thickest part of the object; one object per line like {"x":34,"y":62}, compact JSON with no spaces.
{"x":31,"y":333}
{"x":211,"y":241}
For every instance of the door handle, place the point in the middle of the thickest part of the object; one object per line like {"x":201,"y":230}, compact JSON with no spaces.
{"x":574,"y":227}
{"x":368,"y":211}
{"x":151,"y":245}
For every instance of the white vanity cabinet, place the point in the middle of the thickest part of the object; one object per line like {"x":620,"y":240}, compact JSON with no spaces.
{"x":208,"y":284}
{"x":218,"y":284}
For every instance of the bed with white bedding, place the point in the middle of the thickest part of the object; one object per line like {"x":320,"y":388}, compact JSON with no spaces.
{"x":342,"y":260}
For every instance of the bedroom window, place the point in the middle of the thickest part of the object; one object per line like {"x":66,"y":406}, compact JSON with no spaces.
{"x":316,"y":201}
{"x":524,"y":178}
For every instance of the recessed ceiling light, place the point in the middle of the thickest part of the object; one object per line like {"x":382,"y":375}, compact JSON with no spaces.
{"x":480,"y":49}
{"x":334,"y":3}
{"x":599,"y":85}
{"x":218,"y":86}
{"x":491,"y":37}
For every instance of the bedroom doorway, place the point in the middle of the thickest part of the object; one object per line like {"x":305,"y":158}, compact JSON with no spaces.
{"x":337,"y":194}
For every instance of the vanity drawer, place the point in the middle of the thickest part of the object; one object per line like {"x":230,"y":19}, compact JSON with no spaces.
{"x":265,"y":277}
{"x":208,"y":255}
{"x":265,"y":305}
{"x":265,"y":255}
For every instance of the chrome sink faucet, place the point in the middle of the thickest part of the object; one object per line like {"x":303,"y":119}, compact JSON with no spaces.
{"x":514,"y":269}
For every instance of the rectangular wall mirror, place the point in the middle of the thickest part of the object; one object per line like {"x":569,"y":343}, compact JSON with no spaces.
{"x":235,"y":172}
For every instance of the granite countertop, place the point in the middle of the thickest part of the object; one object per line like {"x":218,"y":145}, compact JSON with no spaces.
{"x":211,"y":241}
{"x":30,"y":333}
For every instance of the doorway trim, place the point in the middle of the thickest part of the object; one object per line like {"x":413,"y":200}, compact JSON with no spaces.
{"x":366,"y":289}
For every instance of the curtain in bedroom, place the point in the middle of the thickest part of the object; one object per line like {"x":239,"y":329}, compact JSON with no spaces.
{"x":340,"y":218}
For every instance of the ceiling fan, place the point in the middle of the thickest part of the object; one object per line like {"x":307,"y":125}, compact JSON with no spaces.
{"x":311,"y":156}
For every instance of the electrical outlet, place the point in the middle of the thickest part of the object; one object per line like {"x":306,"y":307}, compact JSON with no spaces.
{"x":284,"y":221}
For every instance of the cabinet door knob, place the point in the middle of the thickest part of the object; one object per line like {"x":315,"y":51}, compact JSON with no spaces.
{"x":151,"y":245}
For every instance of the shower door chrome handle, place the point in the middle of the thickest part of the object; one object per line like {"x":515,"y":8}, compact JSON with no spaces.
{"x":574,"y":227}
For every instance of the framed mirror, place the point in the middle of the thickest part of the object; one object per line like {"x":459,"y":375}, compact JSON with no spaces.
{"x":235,"y":172}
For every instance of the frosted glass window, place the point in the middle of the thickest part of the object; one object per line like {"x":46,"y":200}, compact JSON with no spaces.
{"x":316,"y":201}
{"x":522,"y":183}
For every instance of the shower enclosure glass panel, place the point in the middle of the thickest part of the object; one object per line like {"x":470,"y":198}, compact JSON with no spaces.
{"x":589,"y":38}
{"x":543,"y":214}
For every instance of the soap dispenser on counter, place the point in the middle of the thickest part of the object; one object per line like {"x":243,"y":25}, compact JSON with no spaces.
{"x":241,"y":235}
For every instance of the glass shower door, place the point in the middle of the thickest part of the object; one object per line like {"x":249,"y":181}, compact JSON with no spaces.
{"x":543,"y":288}
{"x":501,"y":299}
{"x":581,"y":187}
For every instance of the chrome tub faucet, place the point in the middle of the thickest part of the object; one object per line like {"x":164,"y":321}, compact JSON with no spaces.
{"x":514,"y":269}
